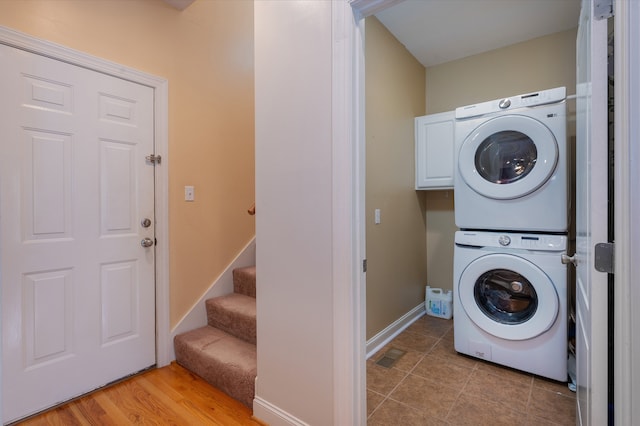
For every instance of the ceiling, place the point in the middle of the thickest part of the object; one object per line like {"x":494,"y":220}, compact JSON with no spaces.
{"x":179,"y":4}
{"x":439,"y":31}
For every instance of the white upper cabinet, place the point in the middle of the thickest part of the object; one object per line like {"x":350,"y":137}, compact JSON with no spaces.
{"x":435,"y":151}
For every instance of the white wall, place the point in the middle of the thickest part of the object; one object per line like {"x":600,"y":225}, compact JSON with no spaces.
{"x":309,"y":58}
{"x":293,"y":212}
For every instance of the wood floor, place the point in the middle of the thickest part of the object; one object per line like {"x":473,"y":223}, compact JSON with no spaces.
{"x":166,"y":396}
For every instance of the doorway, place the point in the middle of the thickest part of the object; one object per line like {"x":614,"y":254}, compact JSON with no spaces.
{"x":44,"y":330}
{"x":449,"y":86}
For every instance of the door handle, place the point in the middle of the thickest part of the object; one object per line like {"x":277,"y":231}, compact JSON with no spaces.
{"x":146,"y":242}
{"x":566,"y":259}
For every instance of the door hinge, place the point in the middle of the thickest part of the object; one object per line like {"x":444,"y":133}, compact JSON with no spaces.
{"x":604,"y":257}
{"x":603,"y":9}
{"x":153,"y":159}
{"x":364,"y":265}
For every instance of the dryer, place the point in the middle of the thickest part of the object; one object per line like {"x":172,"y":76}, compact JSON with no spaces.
{"x":510,"y":300}
{"x":511,"y":157}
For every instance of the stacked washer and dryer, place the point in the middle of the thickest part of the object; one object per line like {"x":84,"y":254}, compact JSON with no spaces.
{"x":512,"y":208}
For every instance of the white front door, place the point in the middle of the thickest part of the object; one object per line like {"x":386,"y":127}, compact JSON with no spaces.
{"x":78,"y":301}
{"x":591,"y":216}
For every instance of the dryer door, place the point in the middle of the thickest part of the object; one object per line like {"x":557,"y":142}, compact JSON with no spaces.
{"x":508,"y":296}
{"x":508,"y":157}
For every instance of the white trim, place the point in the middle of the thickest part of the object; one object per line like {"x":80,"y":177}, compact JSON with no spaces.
{"x":161,"y":90}
{"x":371,"y":7}
{"x":270,"y":414}
{"x":349,"y":319}
{"x":61,"y":53}
{"x":348,"y":224}
{"x":348,"y":232}
{"x":164,"y":345}
{"x":197,"y":316}
{"x":394,"y":329}
{"x":627,"y":207}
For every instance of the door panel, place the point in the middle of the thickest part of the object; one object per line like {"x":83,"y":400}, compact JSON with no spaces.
{"x":78,"y":305}
{"x":591,"y":217}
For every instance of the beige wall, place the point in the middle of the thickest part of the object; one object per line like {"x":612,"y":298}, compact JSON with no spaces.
{"x":396,"y":249}
{"x":206,"y":53}
{"x":537,"y":64}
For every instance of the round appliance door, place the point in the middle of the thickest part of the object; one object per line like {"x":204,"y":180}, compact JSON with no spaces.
{"x":508,"y":157}
{"x":508,"y":296}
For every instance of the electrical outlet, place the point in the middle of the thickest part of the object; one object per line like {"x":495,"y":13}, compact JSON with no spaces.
{"x":376,"y":216}
{"x":189,"y":193}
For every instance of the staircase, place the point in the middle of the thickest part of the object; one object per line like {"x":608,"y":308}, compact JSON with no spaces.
{"x":224,"y":352}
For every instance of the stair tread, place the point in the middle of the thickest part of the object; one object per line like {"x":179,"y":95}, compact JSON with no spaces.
{"x":224,"y":352}
{"x":244,"y":305}
{"x":235,"y":314}
{"x":224,"y":361}
{"x":221,"y":345}
{"x":244,"y":281}
{"x":247,"y":269}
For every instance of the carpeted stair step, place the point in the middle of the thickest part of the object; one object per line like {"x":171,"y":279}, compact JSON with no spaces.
{"x":244,"y":281}
{"x":224,"y":352}
{"x":235,"y":314}
{"x":224,"y":361}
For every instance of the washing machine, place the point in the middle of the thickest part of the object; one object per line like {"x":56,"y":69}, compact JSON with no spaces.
{"x":510,"y":300}
{"x":512,"y":164}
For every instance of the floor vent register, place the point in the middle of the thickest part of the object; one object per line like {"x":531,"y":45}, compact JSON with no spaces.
{"x":390,"y":357}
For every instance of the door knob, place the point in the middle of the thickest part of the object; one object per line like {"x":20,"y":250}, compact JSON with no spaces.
{"x":566,"y":259}
{"x":146,"y":242}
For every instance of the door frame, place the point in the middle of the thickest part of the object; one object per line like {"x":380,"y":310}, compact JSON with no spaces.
{"x":160,"y":87}
{"x":627,"y":196}
{"x":348,"y":231}
{"x":627,"y":207}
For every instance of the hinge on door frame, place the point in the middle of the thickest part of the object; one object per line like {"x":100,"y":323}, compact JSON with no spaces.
{"x":603,"y":9}
{"x":604,"y":260}
{"x":364,"y":265}
{"x":153,"y":159}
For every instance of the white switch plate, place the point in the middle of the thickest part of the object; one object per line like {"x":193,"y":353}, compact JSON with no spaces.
{"x":376,"y":216}
{"x":189,"y":193}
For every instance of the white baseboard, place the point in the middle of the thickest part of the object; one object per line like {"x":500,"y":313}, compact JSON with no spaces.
{"x":385,"y":336}
{"x":197,"y":315}
{"x":274,"y":416}
{"x":271,"y":415}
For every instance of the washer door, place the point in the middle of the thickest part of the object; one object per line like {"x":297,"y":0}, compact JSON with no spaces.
{"x":508,"y":296}
{"x":508,"y":157}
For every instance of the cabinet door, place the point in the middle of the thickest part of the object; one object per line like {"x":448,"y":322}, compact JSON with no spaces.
{"x":435,"y":151}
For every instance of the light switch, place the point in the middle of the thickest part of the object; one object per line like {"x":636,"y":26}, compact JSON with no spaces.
{"x":189,"y":193}
{"x":376,"y":216}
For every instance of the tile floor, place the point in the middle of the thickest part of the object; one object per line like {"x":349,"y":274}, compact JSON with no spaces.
{"x":433,"y":385}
